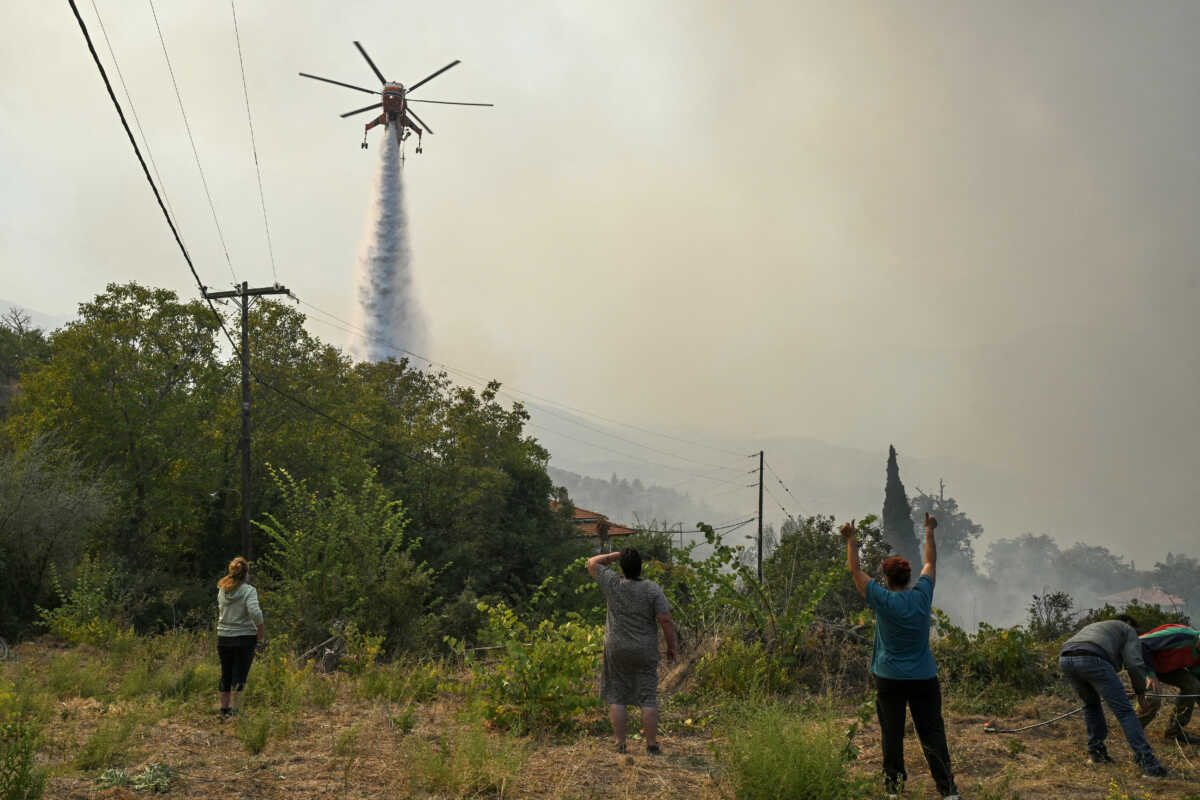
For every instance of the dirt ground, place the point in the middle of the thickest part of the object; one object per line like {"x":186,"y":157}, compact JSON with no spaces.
{"x":212,"y":763}
{"x":365,"y":749}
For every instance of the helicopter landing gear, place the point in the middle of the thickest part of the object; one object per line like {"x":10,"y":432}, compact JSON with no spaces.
{"x":418,"y":142}
{"x":364,"y":141}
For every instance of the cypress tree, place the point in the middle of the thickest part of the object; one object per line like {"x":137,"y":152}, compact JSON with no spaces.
{"x":897,"y":513}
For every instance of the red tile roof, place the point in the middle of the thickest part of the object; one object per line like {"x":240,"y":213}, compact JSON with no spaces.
{"x":590,"y":523}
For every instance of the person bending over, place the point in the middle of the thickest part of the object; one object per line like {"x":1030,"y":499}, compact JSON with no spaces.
{"x":902,"y":663}
{"x":1090,"y":660}
{"x":629,"y":676}
{"x":1172,"y":652}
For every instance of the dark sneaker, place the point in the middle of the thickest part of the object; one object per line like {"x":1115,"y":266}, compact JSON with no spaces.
{"x":1155,"y":771}
{"x":653,"y":750}
{"x":224,"y":714}
{"x":1181,"y":736}
{"x":621,"y":747}
{"x":1101,"y":757}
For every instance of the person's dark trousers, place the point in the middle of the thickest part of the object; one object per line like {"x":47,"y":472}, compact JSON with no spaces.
{"x":1188,"y":684}
{"x":925,"y":699}
{"x":1094,"y":678}
{"x":236,"y":654}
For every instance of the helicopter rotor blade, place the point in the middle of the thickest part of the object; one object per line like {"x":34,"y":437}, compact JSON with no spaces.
{"x":360,"y":110}
{"x":448,"y":102}
{"x":338,"y":83}
{"x":374,"y":68}
{"x":408,"y":121}
{"x":428,"y":129}
{"x":431,"y":77}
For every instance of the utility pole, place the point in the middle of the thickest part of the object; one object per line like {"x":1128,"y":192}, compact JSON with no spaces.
{"x":245,"y":294}
{"x":760,"y":494}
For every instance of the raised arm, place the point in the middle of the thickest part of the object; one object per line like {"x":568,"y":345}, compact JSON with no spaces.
{"x":930,"y":567}
{"x":861,"y":579}
{"x":595,"y":562}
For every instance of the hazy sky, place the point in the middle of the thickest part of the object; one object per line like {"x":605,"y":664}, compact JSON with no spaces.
{"x":968,"y":229}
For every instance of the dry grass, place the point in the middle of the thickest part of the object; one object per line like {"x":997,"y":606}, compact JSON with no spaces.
{"x":356,"y":748}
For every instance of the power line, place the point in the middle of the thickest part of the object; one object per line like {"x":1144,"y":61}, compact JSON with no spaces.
{"x":351,"y":328}
{"x":784,"y":485}
{"x":558,"y":404}
{"x":623,"y":453}
{"x":253,"y":147}
{"x":132,"y":110}
{"x":187,"y":126}
{"x":187,"y":257}
{"x":776,"y":499}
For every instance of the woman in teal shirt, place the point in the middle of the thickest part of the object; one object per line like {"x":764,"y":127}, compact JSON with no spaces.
{"x":903,"y":666}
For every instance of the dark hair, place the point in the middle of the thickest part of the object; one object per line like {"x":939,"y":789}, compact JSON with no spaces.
{"x":898,"y":571}
{"x":1128,"y":620}
{"x":631,"y":563}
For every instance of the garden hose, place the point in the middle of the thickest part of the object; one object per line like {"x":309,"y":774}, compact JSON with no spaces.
{"x":990,"y":727}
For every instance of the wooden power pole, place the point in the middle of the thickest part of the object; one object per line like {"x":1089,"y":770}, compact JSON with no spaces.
{"x":245,"y":294}
{"x":760,"y":495}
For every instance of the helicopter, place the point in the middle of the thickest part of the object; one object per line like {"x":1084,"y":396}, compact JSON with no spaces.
{"x":394,"y":101}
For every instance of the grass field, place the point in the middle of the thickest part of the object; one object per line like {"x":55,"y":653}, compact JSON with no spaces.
{"x":108,"y":718}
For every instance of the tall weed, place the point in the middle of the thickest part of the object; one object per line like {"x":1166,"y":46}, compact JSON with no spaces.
{"x":108,"y":744}
{"x":775,"y":752}
{"x":19,"y":778}
{"x":465,"y":762}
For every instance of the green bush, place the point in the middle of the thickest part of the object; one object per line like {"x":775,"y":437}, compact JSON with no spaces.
{"x":273,"y":681}
{"x":775,"y":752}
{"x":541,"y":678}
{"x":1148,"y":617}
{"x":73,"y":674}
{"x":739,"y":669}
{"x":344,"y":556}
{"x":19,"y":778}
{"x":85,"y":614}
{"x":993,"y":666}
{"x":254,"y":730}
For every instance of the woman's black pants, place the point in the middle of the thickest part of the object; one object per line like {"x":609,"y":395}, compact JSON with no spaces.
{"x":236,"y":654}
{"x":925,"y":699}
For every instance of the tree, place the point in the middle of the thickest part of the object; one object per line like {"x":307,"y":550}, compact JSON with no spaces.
{"x":21,"y":347}
{"x":956,"y":532}
{"x":51,"y":504}
{"x":132,"y":386}
{"x":897,"y":513}
{"x":1180,"y":575}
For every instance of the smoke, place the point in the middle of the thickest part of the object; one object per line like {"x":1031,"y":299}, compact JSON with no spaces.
{"x":387,"y":311}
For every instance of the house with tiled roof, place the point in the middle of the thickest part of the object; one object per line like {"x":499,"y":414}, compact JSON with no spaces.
{"x":606,"y":534}
{"x":1147,"y":597}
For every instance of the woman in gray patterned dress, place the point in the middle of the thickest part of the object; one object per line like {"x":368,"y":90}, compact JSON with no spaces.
{"x":630,"y":674}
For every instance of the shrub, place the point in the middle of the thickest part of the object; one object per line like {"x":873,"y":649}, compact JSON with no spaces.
{"x":1051,"y":616}
{"x":155,"y":777}
{"x":542,"y":678}
{"x":1148,"y":617}
{"x":344,"y":556}
{"x":739,"y":669}
{"x":73,"y":674}
{"x":773,"y":752}
{"x":19,"y":778}
{"x":996,"y":665}
{"x":85,"y":613}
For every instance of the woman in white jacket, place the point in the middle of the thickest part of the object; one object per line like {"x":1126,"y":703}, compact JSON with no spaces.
{"x":239,"y":630}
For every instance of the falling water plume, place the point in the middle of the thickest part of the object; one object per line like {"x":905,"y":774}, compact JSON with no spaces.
{"x":387,"y":312}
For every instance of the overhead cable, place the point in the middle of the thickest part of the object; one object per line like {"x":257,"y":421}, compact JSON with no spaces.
{"x":187,"y":126}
